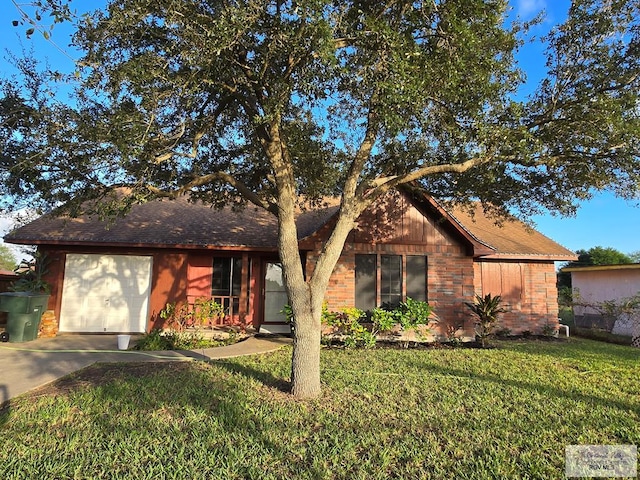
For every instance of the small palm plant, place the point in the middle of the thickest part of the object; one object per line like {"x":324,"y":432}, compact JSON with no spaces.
{"x":486,"y":309}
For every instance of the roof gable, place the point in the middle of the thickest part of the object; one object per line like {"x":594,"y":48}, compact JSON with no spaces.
{"x":510,"y":238}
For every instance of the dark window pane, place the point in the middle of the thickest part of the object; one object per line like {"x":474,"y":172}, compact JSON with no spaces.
{"x":248,"y":284}
{"x":221,"y":279}
{"x":390,"y":279}
{"x":366,"y":282}
{"x":236,"y":276}
{"x":227,"y":276}
{"x":417,"y":277}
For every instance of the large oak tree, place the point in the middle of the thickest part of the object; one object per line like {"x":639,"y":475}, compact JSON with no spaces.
{"x":276,"y":102}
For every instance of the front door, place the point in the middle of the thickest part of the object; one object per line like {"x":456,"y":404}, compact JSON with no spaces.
{"x":275,"y":298}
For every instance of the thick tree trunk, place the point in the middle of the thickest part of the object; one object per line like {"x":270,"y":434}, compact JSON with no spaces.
{"x":305,"y":295}
{"x":305,"y":362}
{"x":306,"y":300}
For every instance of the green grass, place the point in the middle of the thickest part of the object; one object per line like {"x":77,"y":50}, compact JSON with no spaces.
{"x":462,"y":413}
{"x":601,"y":335}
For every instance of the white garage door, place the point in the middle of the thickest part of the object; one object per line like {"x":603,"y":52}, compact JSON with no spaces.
{"x":105,"y":293}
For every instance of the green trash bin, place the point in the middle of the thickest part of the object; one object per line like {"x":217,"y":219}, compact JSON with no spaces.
{"x":16,"y":326}
{"x":16,"y":302}
{"x":32,"y":327}
{"x":24,"y":311}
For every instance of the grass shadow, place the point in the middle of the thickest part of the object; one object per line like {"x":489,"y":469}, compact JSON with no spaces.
{"x":264,"y":377}
{"x":539,"y":388}
{"x":180,"y":402}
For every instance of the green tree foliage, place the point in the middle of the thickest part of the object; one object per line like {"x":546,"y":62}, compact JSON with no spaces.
{"x":7,"y":258}
{"x":30,"y":15}
{"x":269,"y":102}
{"x":635,"y":256}
{"x":594,"y":256}
{"x":601,"y":256}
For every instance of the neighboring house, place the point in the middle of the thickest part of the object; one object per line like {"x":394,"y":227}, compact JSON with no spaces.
{"x":600,"y":283}
{"x":7,"y":277}
{"x":118,"y":277}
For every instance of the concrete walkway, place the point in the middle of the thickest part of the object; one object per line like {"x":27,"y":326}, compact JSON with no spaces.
{"x":28,"y":365}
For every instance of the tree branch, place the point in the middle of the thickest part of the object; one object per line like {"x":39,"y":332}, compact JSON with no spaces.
{"x":363,"y":153}
{"x":242,"y":188}
{"x":381,"y":185}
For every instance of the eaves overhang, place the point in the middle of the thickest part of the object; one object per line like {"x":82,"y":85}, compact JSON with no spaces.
{"x":149,"y":245}
{"x":599,"y":268}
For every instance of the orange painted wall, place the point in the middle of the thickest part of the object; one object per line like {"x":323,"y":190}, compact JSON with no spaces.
{"x":168,"y":284}
{"x":199,"y":271}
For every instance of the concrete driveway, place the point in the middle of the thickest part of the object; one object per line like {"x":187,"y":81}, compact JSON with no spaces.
{"x":28,"y":365}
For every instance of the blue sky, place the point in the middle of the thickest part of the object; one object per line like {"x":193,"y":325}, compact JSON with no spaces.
{"x":605,"y":220}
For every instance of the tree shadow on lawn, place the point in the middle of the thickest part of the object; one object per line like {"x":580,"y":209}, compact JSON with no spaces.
{"x":263,"y":377}
{"x":149,"y":391}
{"x":546,"y":390}
{"x":572,"y":349}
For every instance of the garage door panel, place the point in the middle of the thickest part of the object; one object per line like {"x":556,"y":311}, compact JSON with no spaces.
{"x":105,"y":293}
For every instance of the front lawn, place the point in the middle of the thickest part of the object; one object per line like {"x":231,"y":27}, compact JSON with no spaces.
{"x":506,"y":412}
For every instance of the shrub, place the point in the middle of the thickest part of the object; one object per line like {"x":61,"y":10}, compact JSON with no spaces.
{"x":205,"y":311}
{"x":451,"y":330}
{"x":414,"y":313}
{"x":287,"y":311}
{"x":486,"y":309}
{"x":346,"y":322}
{"x":384,"y":320}
{"x":156,"y":340}
{"x":549,"y":330}
{"x":409,"y":315}
{"x":177,"y":317}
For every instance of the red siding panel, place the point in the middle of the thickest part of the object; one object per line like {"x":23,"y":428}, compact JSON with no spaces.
{"x":199,"y":271}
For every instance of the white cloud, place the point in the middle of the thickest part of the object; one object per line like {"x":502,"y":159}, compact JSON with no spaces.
{"x":527,"y":9}
{"x":7,"y":223}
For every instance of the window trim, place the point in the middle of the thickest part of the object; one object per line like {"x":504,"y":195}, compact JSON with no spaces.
{"x":377,"y":278}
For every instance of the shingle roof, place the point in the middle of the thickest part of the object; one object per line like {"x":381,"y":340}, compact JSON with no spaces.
{"x":165,"y":223}
{"x":509,"y":237}
{"x":183,"y":224}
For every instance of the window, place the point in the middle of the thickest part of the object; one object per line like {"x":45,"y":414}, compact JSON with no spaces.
{"x":389,"y":279}
{"x":417,"y":277}
{"x":226,"y":282}
{"x":366,"y":282}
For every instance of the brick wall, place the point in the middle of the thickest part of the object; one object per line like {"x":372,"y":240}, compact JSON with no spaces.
{"x":528,"y":290}
{"x":450,"y":271}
